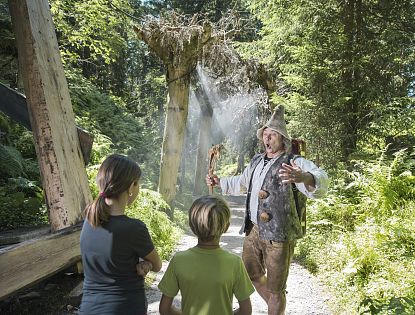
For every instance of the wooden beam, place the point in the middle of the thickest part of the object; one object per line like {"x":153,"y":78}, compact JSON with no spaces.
{"x":14,"y":105}
{"x":52,"y":119}
{"x":27,"y":263}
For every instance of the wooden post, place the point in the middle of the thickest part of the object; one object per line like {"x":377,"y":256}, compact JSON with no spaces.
{"x":50,"y":110}
{"x":14,"y":105}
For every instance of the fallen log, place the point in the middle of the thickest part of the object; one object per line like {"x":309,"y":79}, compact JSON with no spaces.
{"x":24,"y":264}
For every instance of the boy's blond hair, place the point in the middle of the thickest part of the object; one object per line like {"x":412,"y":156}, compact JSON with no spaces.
{"x":209,"y":217}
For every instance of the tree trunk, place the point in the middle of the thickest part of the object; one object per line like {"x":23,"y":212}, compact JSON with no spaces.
{"x":179,"y":55}
{"x":241,"y":161}
{"x":53,"y":123}
{"x":351,"y":105}
{"x":182,"y":169}
{"x":206,"y":114}
{"x":174,"y":132}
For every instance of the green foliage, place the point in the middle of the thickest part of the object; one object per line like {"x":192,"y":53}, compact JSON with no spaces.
{"x":385,"y":188}
{"x":21,"y":204}
{"x":21,"y":198}
{"x":392,"y":306}
{"x":361,"y":238}
{"x":114,"y":128}
{"x":89,"y":30}
{"x":348,"y":68}
{"x":11,"y":161}
{"x":151,"y":209}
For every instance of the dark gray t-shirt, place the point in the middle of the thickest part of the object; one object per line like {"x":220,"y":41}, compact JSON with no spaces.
{"x":110,"y":254}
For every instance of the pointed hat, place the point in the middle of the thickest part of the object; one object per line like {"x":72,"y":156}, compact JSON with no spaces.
{"x":277,"y":123}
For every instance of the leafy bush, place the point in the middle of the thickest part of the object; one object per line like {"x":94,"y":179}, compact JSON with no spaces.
{"x":361,"y":238}
{"x":11,"y":161}
{"x":22,"y":204}
{"x":114,"y":127}
{"x":21,"y":199}
{"x":151,"y":209}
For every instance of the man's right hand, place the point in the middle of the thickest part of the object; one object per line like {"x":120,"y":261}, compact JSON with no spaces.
{"x":212,"y":180}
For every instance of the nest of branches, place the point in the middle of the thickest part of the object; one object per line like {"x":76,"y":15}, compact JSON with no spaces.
{"x":175,"y":37}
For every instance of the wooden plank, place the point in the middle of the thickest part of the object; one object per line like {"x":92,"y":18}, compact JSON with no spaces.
{"x":27,"y":263}
{"x":64,"y":178}
{"x":22,"y":234}
{"x":14,"y":105}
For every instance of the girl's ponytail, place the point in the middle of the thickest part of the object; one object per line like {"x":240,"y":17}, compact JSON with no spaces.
{"x":97,"y":212}
{"x":115,"y":176}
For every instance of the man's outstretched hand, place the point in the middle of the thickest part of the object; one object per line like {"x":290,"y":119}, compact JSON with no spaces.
{"x":292,"y":173}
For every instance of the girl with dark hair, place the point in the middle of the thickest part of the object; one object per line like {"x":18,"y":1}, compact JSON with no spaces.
{"x":117,"y":251}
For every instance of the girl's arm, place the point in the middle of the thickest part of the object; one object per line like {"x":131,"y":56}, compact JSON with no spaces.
{"x":155,"y":260}
{"x":245,"y":307}
{"x":166,"y":306}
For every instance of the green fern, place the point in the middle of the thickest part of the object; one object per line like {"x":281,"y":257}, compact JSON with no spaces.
{"x":11,"y":161}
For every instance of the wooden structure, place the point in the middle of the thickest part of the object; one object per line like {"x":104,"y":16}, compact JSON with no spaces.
{"x":14,"y":105}
{"x":58,"y":150}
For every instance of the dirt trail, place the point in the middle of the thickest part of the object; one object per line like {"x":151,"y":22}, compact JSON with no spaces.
{"x":305,"y":295}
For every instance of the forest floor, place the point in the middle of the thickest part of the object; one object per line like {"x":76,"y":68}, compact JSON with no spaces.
{"x":306,"y":296}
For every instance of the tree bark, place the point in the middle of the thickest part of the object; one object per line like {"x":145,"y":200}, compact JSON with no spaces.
{"x":206,"y":114}
{"x":241,"y":161}
{"x":174,"y":132}
{"x":50,"y":111}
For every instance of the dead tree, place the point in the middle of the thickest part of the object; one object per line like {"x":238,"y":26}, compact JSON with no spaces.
{"x":179,"y":42}
{"x":58,"y":150}
{"x":50,"y":111}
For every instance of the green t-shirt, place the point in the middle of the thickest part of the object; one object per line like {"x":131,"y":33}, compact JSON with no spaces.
{"x":207,"y":280}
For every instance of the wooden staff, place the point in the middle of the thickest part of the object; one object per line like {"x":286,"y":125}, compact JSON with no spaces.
{"x":213,"y":156}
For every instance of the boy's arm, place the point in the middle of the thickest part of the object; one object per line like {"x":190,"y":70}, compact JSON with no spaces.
{"x":245,"y":307}
{"x":166,"y":306}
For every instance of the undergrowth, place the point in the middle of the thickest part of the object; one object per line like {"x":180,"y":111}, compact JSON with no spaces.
{"x":361,"y":238}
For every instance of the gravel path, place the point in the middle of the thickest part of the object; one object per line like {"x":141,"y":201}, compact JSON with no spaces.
{"x":305,"y":295}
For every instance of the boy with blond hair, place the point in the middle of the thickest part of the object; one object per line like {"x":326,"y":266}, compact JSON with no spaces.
{"x":206,"y":275}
